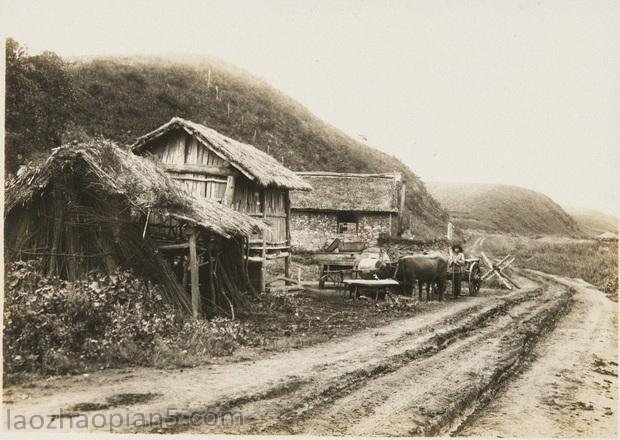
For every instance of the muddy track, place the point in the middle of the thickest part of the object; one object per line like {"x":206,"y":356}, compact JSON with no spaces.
{"x":369,"y":400}
{"x":425,"y":375}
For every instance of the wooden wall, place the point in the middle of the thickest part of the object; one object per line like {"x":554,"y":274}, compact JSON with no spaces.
{"x":205,"y":174}
{"x":178,"y":149}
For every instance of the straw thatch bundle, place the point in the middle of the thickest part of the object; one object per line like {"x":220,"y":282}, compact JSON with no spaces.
{"x":87,"y":207}
{"x":145,"y":185}
{"x":249,"y":160}
{"x":349,"y":192}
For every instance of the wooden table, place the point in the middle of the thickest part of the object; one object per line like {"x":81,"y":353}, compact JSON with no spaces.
{"x":378,"y":286}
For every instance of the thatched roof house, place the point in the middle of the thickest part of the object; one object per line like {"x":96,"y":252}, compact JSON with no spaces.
{"x":349,"y":206}
{"x":213,"y":166}
{"x":95,"y":206}
{"x":253,"y":163}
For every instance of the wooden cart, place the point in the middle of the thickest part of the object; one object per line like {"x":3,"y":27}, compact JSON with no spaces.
{"x":335,"y":267}
{"x":472,"y":274}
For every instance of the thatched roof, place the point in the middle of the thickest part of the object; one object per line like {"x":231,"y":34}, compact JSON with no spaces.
{"x":349,"y":192}
{"x":249,"y":160}
{"x":142,"y":182}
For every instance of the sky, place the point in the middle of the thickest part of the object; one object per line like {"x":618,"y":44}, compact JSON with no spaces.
{"x":523,"y":93}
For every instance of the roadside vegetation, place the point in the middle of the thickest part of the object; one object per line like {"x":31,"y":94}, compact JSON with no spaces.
{"x":594,"y":261}
{"x":55,"y":327}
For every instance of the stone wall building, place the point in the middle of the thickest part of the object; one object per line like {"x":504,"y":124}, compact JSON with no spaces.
{"x":351,"y":207}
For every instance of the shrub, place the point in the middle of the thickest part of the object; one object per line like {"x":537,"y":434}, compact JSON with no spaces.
{"x":53,"y":327}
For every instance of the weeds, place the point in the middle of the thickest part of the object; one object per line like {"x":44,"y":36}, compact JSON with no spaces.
{"x":594,"y":261}
{"x":55,"y":327}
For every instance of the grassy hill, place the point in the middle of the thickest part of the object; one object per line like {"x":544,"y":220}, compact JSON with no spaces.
{"x":593,"y":222}
{"x":123,"y":98}
{"x":503,"y":208}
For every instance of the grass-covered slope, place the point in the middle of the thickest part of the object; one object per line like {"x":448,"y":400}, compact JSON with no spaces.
{"x":503,"y":208}
{"x":123,"y":98}
{"x":593,"y":222}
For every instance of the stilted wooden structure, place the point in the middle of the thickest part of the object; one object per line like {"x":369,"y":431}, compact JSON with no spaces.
{"x":235,"y":174}
{"x":97,"y":207}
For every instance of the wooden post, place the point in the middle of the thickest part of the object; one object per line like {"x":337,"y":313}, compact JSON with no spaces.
{"x":57,"y":232}
{"x":287,"y":259}
{"x":230,"y":191}
{"x":401,"y":211}
{"x":195,"y":278}
{"x":263,"y":269}
{"x":185,"y":280}
{"x":211,"y":273}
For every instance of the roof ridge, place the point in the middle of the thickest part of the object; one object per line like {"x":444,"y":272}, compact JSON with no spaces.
{"x":250,"y":160}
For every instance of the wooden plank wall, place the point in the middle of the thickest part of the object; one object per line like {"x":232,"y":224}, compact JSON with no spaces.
{"x":248,"y":199}
{"x":180,"y":148}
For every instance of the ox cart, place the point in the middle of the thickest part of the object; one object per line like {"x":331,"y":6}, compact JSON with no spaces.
{"x":471,"y":273}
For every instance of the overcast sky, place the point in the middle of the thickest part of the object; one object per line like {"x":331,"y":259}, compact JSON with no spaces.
{"x":516,"y":92}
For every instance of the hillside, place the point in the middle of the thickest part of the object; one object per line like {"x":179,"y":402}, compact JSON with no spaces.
{"x":503,"y":208}
{"x":123,"y":98}
{"x":592,"y":221}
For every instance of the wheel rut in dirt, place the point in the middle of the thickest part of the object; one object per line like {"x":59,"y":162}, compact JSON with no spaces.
{"x":356,"y":402}
{"x":420,"y":375}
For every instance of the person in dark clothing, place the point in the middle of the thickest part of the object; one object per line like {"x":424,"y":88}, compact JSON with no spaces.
{"x":457,"y":262}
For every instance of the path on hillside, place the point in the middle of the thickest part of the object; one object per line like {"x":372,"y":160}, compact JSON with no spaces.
{"x":421,"y":375}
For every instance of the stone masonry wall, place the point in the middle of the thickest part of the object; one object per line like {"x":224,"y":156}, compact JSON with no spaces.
{"x":313,"y":231}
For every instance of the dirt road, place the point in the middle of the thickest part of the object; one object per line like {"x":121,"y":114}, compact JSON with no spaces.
{"x":570,"y":388}
{"x":432,"y":373}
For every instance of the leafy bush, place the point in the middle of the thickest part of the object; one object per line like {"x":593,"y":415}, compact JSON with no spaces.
{"x":52,"y":326}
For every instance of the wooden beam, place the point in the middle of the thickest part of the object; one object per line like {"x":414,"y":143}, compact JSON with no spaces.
{"x":268,"y":248}
{"x":270,"y":243}
{"x":402,"y":197}
{"x":57,"y":232}
{"x":268,"y":257}
{"x":173,"y":247}
{"x":211,"y":273}
{"x":287,"y":259}
{"x":176,"y":247}
{"x":194,"y":275}
{"x":200,"y":179}
{"x":199,"y":169}
{"x":230,"y":191}
{"x":263,"y":268}
{"x":260,"y":214}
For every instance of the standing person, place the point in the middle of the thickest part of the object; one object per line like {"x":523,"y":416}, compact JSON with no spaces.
{"x":457,"y":262}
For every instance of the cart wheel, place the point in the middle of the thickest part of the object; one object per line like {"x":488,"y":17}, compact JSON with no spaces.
{"x":474,"y":279}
